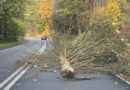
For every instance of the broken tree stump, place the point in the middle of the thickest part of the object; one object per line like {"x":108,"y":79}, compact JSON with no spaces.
{"x":66,"y":70}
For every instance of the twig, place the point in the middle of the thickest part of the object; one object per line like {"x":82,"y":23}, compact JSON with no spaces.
{"x":82,"y":63}
{"x":79,"y":41}
{"x":78,"y":54}
{"x":118,"y":53}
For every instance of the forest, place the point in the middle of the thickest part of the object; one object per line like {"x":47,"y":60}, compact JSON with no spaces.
{"x":21,"y":17}
{"x":12,"y":25}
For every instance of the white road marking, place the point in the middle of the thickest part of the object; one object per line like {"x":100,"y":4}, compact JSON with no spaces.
{"x":10,"y":77}
{"x":16,"y":79}
{"x":43,"y":48}
{"x":18,"y":71}
{"x":14,"y":46}
{"x":40,"y":50}
{"x":123,"y":79}
{"x":10,"y":48}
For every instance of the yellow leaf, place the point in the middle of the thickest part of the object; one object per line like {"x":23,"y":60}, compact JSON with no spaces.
{"x":117,"y":31}
{"x":122,"y":39}
{"x":113,"y":23}
{"x":45,"y":65}
{"x":115,"y":83}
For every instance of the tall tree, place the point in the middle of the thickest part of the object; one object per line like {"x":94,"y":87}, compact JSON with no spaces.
{"x":10,"y":9}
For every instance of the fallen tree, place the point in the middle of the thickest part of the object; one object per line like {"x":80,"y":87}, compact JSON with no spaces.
{"x":79,"y":35}
{"x":66,"y":70}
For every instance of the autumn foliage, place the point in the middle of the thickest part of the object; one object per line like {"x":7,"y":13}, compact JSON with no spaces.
{"x":110,"y":16}
{"x":46,"y":11}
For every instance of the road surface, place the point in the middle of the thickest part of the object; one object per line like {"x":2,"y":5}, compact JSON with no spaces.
{"x":10,"y":56}
{"x":49,"y":80}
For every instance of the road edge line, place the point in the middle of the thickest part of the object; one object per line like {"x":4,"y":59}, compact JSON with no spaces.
{"x":12,"y":47}
{"x":118,"y":76}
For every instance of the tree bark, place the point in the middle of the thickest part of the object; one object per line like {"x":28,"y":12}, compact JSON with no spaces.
{"x":66,"y":70}
{"x":5,"y":28}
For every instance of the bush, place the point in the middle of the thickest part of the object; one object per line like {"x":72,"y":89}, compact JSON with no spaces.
{"x":17,"y":29}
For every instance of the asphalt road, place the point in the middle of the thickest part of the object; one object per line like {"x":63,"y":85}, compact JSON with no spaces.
{"x":54,"y":81}
{"x":49,"y":80}
{"x":10,"y":56}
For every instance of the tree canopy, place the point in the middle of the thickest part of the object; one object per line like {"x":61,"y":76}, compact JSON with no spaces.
{"x":11,"y":19}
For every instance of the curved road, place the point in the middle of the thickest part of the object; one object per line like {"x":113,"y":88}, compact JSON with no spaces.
{"x":49,"y":80}
{"x":10,"y":56}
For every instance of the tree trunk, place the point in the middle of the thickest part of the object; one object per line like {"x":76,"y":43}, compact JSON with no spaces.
{"x":0,"y":29}
{"x":66,"y":70}
{"x":5,"y":28}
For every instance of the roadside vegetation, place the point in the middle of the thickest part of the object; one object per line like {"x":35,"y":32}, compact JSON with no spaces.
{"x":10,"y":43}
{"x":20,"y":18}
{"x":37,"y":16}
{"x":93,"y":33}
{"x":12,"y":26}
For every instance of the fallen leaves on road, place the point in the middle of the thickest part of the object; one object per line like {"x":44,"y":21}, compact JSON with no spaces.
{"x":26,"y":77}
{"x":128,"y":78}
{"x":35,"y":66}
{"x":116,"y":83}
{"x":125,"y":77}
{"x":18,"y":84}
{"x":35,"y":80}
{"x":45,"y":65}
{"x":27,"y":63}
{"x":42,"y":70}
{"x":55,"y":71}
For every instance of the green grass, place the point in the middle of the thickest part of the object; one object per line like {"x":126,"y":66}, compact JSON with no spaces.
{"x":9,"y":43}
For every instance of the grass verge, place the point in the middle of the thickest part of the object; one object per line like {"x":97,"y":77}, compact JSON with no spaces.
{"x":9,"y":43}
